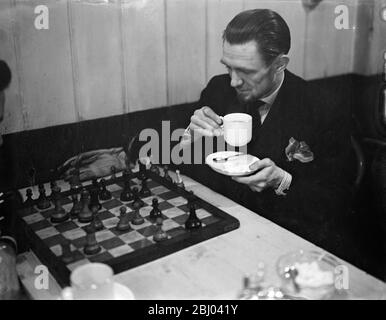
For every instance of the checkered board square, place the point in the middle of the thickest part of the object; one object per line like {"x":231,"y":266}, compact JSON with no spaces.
{"x":121,"y":249}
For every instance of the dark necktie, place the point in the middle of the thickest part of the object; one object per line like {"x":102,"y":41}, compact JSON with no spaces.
{"x":253,"y":110}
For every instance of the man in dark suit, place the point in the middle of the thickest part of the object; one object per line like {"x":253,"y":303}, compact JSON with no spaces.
{"x":9,"y":283}
{"x":301,"y":134}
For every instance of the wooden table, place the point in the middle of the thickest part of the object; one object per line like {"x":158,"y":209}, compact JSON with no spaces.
{"x":214,"y":269}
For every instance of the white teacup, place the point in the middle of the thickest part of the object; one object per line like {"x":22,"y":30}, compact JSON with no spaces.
{"x":237,"y":129}
{"x":92,"y":281}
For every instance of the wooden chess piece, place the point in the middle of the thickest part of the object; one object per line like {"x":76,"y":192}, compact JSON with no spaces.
{"x":104,"y":194}
{"x":124,"y":220}
{"x":76,"y":206}
{"x":154,"y":168}
{"x":85,"y":215}
{"x":94,"y":195}
{"x":43,"y":202}
{"x":59,"y":214}
{"x":179,"y":181}
{"x":29,"y":202}
{"x":97,"y":223}
{"x":92,"y":246}
{"x":113,"y":171}
{"x":160,"y":234}
{"x":167,"y":177}
{"x":126,"y":194}
{"x":192,"y":222}
{"x":138,"y":219}
{"x":155,"y":212}
{"x":67,"y":255}
{"x":136,"y":198}
{"x":145,"y":191}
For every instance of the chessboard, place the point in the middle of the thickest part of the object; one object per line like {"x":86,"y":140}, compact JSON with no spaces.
{"x":134,"y":218}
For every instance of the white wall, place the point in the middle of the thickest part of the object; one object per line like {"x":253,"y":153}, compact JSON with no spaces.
{"x":101,"y":58}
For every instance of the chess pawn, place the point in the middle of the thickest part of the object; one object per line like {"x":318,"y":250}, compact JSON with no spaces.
{"x":145,"y":191}
{"x":160,"y":234}
{"x":142,"y":169}
{"x":104,"y":193}
{"x":179,"y":181}
{"x":55,"y":193}
{"x":43,"y":202}
{"x":127,"y":194}
{"x":166,"y":174}
{"x":29,"y":201}
{"x":138,"y":219}
{"x":192,"y":222}
{"x":136,"y":198}
{"x":75,"y":183}
{"x":85,"y":215}
{"x":97,"y":223}
{"x":124,"y":220}
{"x":59,"y":214}
{"x":76,"y":207}
{"x":94,"y":195}
{"x":92,"y":246}
{"x":67,"y":255}
{"x":154,"y":168}
{"x":113,"y":171}
{"x":155,"y":212}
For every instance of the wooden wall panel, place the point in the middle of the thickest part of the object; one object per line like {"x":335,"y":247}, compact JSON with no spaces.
{"x":44,"y":67}
{"x":220,"y":12}
{"x":293,"y":13}
{"x":13,"y":115}
{"x":329,"y":51}
{"x":144,"y":50}
{"x":186,"y":67}
{"x":96,"y":46}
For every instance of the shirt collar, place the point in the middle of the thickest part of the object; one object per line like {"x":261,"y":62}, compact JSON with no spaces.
{"x":271,"y":98}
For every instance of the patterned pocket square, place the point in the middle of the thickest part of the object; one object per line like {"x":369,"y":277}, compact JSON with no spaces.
{"x":298,"y":150}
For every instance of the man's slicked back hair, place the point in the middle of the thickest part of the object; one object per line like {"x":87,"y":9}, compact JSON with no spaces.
{"x":264,"y":26}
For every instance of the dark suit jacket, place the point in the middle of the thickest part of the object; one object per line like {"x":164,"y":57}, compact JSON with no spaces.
{"x":317,"y":205}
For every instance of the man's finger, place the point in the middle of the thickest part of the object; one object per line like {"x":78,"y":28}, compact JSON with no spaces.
{"x":201,"y":131}
{"x":211,"y":114}
{"x":204,"y":123}
{"x":260,"y":164}
{"x":256,"y":178}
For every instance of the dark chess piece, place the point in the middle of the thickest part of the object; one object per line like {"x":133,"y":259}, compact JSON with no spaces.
{"x":94,"y":195}
{"x":142,"y":169}
{"x":85,"y":215}
{"x":76,"y":206}
{"x":52,"y":186}
{"x":104,"y":194}
{"x":59,"y":214}
{"x":137,"y":200}
{"x":138,"y":219}
{"x":179,"y":181}
{"x":154,"y":168}
{"x":67,"y":255}
{"x":124,"y":220}
{"x":92,"y":246}
{"x":192,"y":222}
{"x":126,"y":194}
{"x":96,"y":222}
{"x":160,"y":234}
{"x":75,"y":183}
{"x":113,"y":171}
{"x":155,"y":212}
{"x":55,"y":193}
{"x":145,"y":191}
{"x":43,"y":202}
{"x":29,"y":202}
{"x":166,"y":174}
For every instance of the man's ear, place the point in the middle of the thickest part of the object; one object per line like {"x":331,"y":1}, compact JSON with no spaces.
{"x":281,"y":63}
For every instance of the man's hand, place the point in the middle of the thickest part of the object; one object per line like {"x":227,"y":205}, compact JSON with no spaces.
{"x":268,"y":176}
{"x":9,"y":283}
{"x":206,"y":122}
{"x":94,"y":164}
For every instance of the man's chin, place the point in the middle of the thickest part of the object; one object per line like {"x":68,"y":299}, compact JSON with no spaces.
{"x":244,"y":97}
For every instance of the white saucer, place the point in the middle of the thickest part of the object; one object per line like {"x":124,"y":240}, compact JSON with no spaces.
{"x":122,"y":292}
{"x":226,"y":168}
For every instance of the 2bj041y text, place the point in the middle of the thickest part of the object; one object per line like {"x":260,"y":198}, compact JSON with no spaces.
{"x":196,"y":309}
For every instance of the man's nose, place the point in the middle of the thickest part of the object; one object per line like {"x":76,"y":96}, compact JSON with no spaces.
{"x":235,"y":80}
